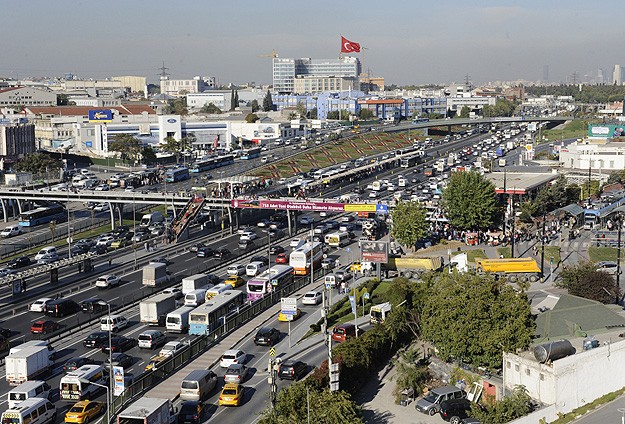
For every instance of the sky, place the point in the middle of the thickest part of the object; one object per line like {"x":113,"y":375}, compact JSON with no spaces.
{"x":407,"y":42}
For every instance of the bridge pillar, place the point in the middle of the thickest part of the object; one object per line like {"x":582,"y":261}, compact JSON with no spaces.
{"x":120,"y":212}
{"x":4,"y":211}
{"x":289,"y":222}
{"x":449,"y":130}
{"x":231,"y":223}
{"x":19,"y":206}
{"x":112,"y":212}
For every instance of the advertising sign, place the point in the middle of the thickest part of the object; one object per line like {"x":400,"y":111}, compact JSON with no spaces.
{"x":118,"y":377}
{"x":301,"y":206}
{"x":374,"y":251}
{"x":352,"y":302}
{"x":100,"y":115}
{"x":360,"y":207}
{"x":606,"y":131}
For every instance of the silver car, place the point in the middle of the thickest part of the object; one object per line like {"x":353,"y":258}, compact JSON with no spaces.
{"x":236,"y":373}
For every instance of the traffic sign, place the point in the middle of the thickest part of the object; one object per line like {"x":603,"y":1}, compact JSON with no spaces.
{"x":288,"y":305}
{"x":348,"y":249}
{"x":365,"y":295}
{"x":272,"y":351}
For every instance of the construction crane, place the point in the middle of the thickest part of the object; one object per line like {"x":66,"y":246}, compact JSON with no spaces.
{"x":272,"y":55}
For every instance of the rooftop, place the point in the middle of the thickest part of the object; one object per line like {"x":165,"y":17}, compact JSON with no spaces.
{"x":519,"y":182}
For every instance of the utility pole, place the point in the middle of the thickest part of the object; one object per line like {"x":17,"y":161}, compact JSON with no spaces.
{"x":618,"y":256}
{"x":542,"y":241}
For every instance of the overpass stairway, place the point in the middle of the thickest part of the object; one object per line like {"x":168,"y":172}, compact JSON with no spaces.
{"x":188,"y":213}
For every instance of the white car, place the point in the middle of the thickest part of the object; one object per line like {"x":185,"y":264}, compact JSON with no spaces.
{"x":105,"y":241}
{"x":296,"y":242}
{"x":171,"y":348}
{"x":102,"y":187}
{"x":101,"y":207}
{"x":39,"y":305}
{"x":232,"y":356}
{"x":107,"y":281}
{"x":249,"y":235}
{"x":236,"y":269}
{"x":312,"y":298}
{"x":10,"y":231}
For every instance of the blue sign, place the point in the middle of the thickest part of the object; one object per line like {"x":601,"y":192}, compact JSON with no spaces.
{"x":381,"y":208}
{"x":100,"y":115}
{"x":5,"y":121}
{"x":23,"y":121}
{"x":171,"y":120}
{"x":88,"y":143}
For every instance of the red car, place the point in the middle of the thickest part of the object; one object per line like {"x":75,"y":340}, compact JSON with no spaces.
{"x":44,"y":327}
{"x":281,"y":258}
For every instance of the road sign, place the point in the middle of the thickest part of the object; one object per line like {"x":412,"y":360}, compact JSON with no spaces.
{"x":348,"y":249}
{"x":272,"y":351}
{"x":365,"y":295}
{"x":288,"y":305}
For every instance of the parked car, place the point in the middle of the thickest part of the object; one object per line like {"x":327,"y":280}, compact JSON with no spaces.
{"x":455,"y":410}
{"x":267,"y":336}
{"x":292,"y":370}
{"x":235,"y":373}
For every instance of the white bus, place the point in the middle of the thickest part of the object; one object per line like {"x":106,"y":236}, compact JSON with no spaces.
{"x":338,"y":239}
{"x":73,"y":389}
{"x":275,"y":278}
{"x":302,"y":257}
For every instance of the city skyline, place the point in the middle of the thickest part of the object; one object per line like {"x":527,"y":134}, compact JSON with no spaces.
{"x":407,"y":44}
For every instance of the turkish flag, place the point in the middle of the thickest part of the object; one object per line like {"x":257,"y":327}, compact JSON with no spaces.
{"x":349,"y":46}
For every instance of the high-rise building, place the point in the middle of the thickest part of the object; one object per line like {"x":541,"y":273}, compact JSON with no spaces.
{"x":285,"y":70}
{"x":600,"y":76}
{"x":545,"y":73}
{"x":617,"y":75}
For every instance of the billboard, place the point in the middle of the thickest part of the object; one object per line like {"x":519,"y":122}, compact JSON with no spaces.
{"x":374,"y":251}
{"x":118,"y":376}
{"x":288,"y":205}
{"x":606,"y":131}
{"x":100,"y":115}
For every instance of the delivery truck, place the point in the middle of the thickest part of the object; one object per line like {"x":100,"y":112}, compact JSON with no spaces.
{"x":411,"y":267}
{"x":194,"y":282}
{"x":148,"y":411}
{"x":155,"y":274}
{"x":153,"y":311}
{"x":27,"y":364}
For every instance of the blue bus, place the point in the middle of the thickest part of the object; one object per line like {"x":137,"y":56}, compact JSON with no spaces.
{"x":177,"y":174}
{"x":251,"y":153}
{"x":211,"y":163}
{"x":43,"y":215}
{"x":213,"y":314}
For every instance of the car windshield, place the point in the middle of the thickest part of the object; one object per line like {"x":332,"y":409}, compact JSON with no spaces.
{"x":76,"y":409}
{"x":431,"y":397}
{"x":188,"y":408}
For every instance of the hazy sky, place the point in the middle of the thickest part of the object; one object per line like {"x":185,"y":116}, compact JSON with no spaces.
{"x":409,"y":42}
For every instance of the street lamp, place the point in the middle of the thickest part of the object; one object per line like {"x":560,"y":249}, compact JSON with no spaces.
{"x":108,"y":399}
{"x":110,"y":323}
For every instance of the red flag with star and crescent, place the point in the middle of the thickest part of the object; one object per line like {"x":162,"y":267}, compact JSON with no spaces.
{"x":349,"y":46}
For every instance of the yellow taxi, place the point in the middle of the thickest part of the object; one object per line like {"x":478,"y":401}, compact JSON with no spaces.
{"x":355,"y":267}
{"x":155,"y":360}
{"x":235,"y":281}
{"x":231,"y":394}
{"x":83,"y":411}
{"x":285,"y":318}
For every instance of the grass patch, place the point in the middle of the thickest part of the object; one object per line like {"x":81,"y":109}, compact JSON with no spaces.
{"x":473,"y":254}
{"x":577,"y":412}
{"x":577,"y":128}
{"x":552,"y":251}
{"x":504,"y":251}
{"x":597,"y":254}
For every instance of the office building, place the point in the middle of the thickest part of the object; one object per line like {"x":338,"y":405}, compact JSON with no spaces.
{"x":133,"y":84}
{"x":617,"y":75}
{"x":178,"y":88}
{"x":16,"y":141}
{"x":26,"y":96}
{"x":286,"y":70}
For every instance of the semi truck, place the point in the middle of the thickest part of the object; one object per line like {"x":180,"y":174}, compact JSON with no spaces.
{"x":153,"y":311}
{"x":155,"y":274}
{"x":512,"y":269}
{"x":27,"y":364}
{"x":148,"y":411}
{"x":194,"y":282}
{"x":411,"y":267}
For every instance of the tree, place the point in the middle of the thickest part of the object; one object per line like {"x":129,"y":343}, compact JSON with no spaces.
{"x":513,"y":406}
{"x":254,"y":105}
{"x":301,"y":110}
{"x":148,"y":155}
{"x":583,"y":279}
{"x":267,"y":102}
{"x":251,"y":118}
{"x":411,"y":373}
{"x":232,"y":104}
{"x":38,"y":163}
{"x":312,"y":113}
{"x":409,"y":223}
{"x":177,"y":107}
{"x":326,"y":407}
{"x":365,"y":114}
{"x":464,"y":112}
{"x":469,"y":201}
{"x":236,"y":99}
{"x":127,"y":145}
{"x":210,"y":108}
{"x":62,"y":100}
{"x":474,"y":318}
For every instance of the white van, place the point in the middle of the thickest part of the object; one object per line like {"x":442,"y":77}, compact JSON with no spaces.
{"x":331,"y":281}
{"x":48,"y":250}
{"x":254,"y":268}
{"x":27,"y":390}
{"x":116,"y":323}
{"x":218,"y":289}
{"x":195,"y":298}
{"x":31,"y":411}
{"x":178,"y":320}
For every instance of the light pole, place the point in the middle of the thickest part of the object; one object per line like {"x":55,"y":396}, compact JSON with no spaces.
{"x":69,"y":229}
{"x":108,"y":398}
{"x":110,"y":323}
{"x":134,"y":228}
{"x":312,"y":266}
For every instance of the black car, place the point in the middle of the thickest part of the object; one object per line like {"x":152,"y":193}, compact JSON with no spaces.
{"x":246,"y":245}
{"x":191,"y":412}
{"x":79,"y":249}
{"x":120,"y":360}
{"x":61,"y":307}
{"x":196,"y":246}
{"x":5,"y":332}
{"x":222,"y":253}
{"x":267,"y":336}
{"x":454,"y":410}
{"x":213,"y":279}
{"x":98,"y":339}
{"x":92,"y":305}
{"x":276,"y":249}
{"x":292,"y":370}
{"x":122,"y":229}
{"x":120,"y":344}
{"x":98,"y":250}
{"x":20,"y":262}
{"x":75,"y":363}
{"x":263,"y":259}
{"x":205,"y":252}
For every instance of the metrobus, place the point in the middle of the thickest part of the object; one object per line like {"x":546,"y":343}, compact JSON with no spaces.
{"x":212,"y":163}
{"x":73,"y":388}
{"x":252,"y":153}
{"x":408,"y":162}
{"x":177,"y":174}
{"x":337,"y":239}
{"x":213,"y":314}
{"x":418,"y":120}
{"x":43,"y":215}
{"x":300,"y":258}
{"x":274,"y":278}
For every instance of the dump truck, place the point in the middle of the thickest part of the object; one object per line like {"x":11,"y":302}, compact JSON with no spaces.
{"x":378,"y":313}
{"x":411,"y":267}
{"x":155,"y":274}
{"x":153,"y":311}
{"x":148,"y":411}
{"x":27,"y":364}
{"x":512,"y":269}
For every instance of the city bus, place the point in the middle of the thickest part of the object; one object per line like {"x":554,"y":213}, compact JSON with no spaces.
{"x":300,"y":258}
{"x":338,"y":239}
{"x":274,"y":278}
{"x":408,"y":162}
{"x":251,"y":153}
{"x":177,"y":174}
{"x":213,"y":314}
{"x":212,"y":163}
{"x":72,"y":388}
{"x":43,"y":215}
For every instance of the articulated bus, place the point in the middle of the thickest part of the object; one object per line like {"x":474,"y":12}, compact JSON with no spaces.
{"x":43,"y":215}
{"x":251,"y":153}
{"x":213,"y":314}
{"x":73,"y":388}
{"x":274,"y":278}
{"x":212,"y":163}
{"x":300,"y":258}
{"x":177,"y":174}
